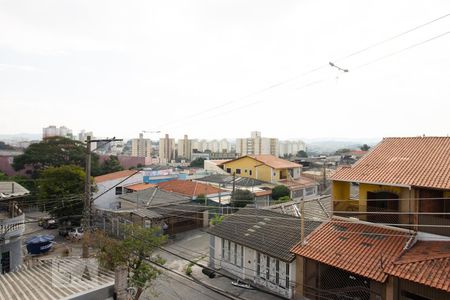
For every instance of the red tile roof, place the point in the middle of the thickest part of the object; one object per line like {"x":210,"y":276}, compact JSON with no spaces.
{"x":270,"y":160}
{"x":302,"y":182}
{"x":427,"y":263}
{"x":356,"y":247}
{"x":411,"y":161}
{"x":115,"y":175}
{"x":140,"y":186}
{"x":188,"y":188}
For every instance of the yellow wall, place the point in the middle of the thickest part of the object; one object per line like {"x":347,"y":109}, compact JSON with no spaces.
{"x":249,"y":164}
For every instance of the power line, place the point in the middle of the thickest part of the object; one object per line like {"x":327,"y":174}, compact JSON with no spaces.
{"x":391,"y":38}
{"x":313,"y":70}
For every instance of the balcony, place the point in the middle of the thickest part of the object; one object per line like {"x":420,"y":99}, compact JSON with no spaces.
{"x":11,"y":227}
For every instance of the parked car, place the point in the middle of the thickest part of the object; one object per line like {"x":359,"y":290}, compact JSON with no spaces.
{"x":76,"y":233}
{"x":50,"y":224}
{"x":64,"y":230}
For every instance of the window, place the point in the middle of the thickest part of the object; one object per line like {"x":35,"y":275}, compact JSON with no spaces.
{"x":229,"y":170}
{"x":245,"y":170}
{"x":118,"y":190}
{"x":223,"y":248}
{"x":235,"y":254}
{"x":267,"y":267}
{"x":229,"y":250}
{"x":250,"y":172}
{"x":238,"y":171}
{"x":147,"y":224}
{"x":258,"y":264}
{"x":287,"y":275}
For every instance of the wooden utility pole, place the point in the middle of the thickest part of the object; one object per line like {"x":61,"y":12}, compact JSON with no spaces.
{"x":87,"y":190}
{"x":234,"y":188}
{"x":302,"y":221}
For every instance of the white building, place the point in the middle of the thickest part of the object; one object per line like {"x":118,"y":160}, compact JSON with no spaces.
{"x":291,"y":147}
{"x":256,"y":145}
{"x":141,"y":147}
{"x":185,"y":148}
{"x":106,"y":184}
{"x":52,"y":131}
{"x":258,"y":250}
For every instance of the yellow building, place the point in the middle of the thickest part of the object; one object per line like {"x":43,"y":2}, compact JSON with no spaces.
{"x":267,"y":168}
{"x":402,"y":181}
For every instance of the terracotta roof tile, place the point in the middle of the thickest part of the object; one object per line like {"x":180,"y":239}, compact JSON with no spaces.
{"x":114,"y":175}
{"x":427,"y":263}
{"x":188,"y":188}
{"x":270,"y":160}
{"x":411,"y":161}
{"x":359,"y":248}
{"x":140,"y":186}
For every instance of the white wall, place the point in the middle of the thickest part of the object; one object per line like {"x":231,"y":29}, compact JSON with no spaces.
{"x":110,"y":197}
{"x":249,"y":266}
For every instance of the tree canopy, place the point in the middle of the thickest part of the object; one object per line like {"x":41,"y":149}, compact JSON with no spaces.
{"x":138,"y":244}
{"x":365,"y":147}
{"x":110,"y":165}
{"x":51,"y":152}
{"x":61,"y":190}
{"x":4,"y":146}
{"x":302,"y":153}
{"x":242,"y":197}
{"x":199,"y":162}
{"x":280,"y":191}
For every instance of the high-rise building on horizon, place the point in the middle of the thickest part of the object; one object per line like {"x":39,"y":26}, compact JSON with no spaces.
{"x":166,"y":149}
{"x":141,"y":147}
{"x":52,"y":131}
{"x":256,"y":145}
{"x":185,"y":148}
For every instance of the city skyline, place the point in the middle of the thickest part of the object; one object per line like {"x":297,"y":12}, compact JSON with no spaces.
{"x":222,"y":71}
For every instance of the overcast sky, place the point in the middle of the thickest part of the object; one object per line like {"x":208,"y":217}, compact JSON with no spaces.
{"x":205,"y":68}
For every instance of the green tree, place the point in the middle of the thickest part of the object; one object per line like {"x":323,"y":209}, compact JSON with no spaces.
{"x":61,"y":190}
{"x":302,"y":153}
{"x":110,"y":165}
{"x":133,"y":251}
{"x":341,"y":151}
{"x":242,"y":197}
{"x":199,"y":162}
{"x":365,"y":147}
{"x":55,"y":152}
{"x":280,"y":191}
{"x":4,"y":146}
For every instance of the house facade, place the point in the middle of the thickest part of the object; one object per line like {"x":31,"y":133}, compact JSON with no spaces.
{"x":267,"y":168}
{"x":401,"y":181}
{"x":350,"y":259}
{"x":12,"y":226}
{"x":111,"y":186}
{"x":254,"y":244}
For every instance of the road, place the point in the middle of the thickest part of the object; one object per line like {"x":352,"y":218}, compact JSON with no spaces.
{"x":173,"y":286}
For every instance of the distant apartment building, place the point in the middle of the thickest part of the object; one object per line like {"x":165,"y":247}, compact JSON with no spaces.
{"x":141,"y":147}
{"x":52,"y":131}
{"x":256,"y":145}
{"x":184,"y":148}
{"x":166,"y":149}
{"x":291,"y":147}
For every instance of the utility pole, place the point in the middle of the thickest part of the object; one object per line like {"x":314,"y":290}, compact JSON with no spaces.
{"x":302,"y":221}
{"x":87,"y":190}
{"x":234,"y":188}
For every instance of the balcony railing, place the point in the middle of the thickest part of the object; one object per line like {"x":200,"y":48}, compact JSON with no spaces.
{"x":429,"y":222}
{"x":12,"y":227}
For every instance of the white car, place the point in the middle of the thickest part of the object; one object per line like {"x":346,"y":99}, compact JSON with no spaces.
{"x":76,"y":233}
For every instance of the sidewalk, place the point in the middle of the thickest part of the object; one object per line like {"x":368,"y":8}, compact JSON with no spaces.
{"x":223,"y":283}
